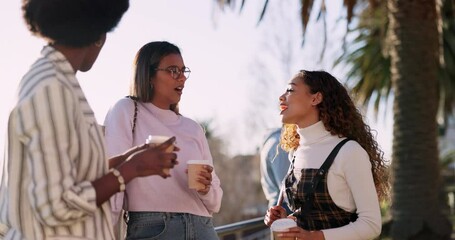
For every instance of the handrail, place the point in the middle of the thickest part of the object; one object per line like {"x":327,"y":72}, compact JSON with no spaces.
{"x":255,"y":228}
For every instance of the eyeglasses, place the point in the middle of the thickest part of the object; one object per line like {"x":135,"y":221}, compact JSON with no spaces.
{"x":176,"y":72}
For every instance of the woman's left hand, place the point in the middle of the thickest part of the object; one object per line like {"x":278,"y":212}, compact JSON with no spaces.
{"x":205,"y":177}
{"x":301,"y":234}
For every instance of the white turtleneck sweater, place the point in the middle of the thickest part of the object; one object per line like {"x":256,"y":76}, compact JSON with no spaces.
{"x":350,"y":181}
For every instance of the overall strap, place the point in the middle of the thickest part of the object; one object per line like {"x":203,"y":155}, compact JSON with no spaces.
{"x":327,"y":163}
{"x":283,"y":182}
{"x":308,"y":204}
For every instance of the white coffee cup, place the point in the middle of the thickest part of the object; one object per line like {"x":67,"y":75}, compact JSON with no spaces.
{"x":194,"y":168}
{"x":154,"y":140}
{"x":282,"y":225}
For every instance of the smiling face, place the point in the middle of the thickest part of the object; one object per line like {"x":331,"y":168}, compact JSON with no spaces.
{"x":166,"y":89}
{"x":298,"y":105}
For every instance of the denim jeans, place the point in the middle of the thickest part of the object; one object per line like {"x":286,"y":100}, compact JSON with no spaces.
{"x":169,"y":226}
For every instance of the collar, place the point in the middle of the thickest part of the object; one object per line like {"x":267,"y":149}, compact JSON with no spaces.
{"x":58,"y":59}
{"x":165,"y":115}
{"x":312,"y":134}
{"x":64,"y":67}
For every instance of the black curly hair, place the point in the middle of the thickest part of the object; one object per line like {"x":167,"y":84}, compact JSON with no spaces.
{"x":340,"y":117}
{"x":75,"y":23}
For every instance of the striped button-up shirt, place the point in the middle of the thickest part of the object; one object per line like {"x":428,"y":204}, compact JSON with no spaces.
{"x":55,"y":149}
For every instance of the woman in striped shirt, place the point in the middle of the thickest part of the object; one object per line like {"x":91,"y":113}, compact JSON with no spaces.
{"x":56,"y":180}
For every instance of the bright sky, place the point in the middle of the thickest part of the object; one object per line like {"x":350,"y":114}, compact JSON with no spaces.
{"x":227,"y":53}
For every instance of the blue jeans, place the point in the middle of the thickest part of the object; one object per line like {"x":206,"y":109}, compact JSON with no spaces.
{"x":169,"y":226}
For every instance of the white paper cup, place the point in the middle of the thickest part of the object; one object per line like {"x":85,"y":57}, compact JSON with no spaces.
{"x":155,"y":140}
{"x":282,"y":225}
{"x":194,"y":168}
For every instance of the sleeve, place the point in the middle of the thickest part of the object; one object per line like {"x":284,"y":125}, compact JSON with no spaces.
{"x":46,"y":125}
{"x":118,"y":138}
{"x":269,"y":184}
{"x":357,"y":169}
{"x":118,"y":127}
{"x":212,"y":200}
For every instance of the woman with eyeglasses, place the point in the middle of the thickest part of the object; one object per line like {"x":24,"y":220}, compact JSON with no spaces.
{"x":57,"y":181}
{"x":337,"y":171}
{"x":158,"y":208}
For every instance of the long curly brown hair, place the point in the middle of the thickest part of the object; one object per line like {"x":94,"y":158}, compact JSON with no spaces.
{"x":340,"y":117}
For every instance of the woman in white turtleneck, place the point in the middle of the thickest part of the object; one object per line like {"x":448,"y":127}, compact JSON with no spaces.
{"x":318,"y":114}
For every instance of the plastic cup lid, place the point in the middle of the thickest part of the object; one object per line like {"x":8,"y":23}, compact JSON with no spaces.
{"x":283,"y":224}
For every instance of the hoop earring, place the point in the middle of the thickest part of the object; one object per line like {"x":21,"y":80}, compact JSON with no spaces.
{"x":98,"y":43}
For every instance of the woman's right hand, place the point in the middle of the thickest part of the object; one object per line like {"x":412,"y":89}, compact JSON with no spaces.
{"x":148,"y":160}
{"x":274,"y":213}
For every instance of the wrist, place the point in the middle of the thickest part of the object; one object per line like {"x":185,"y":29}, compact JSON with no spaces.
{"x":120,"y":179}
{"x":114,"y":162}
{"x":127,"y":171}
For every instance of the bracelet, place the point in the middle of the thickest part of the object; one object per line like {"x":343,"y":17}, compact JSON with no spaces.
{"x":120,"y":179}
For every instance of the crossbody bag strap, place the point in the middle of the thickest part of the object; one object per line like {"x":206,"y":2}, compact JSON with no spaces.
{"x":135,"y":113}
{"x":133,"y":128}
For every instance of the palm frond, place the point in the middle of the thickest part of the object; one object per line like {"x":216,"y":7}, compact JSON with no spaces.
{"x":305,"y":11}
{"x":447,"y":70}
{"x":447,"y":159}
{"x":350,"y":4}
{"x":369,"y":68}
{"x":367,"y":54}
{"x":263,"y":10}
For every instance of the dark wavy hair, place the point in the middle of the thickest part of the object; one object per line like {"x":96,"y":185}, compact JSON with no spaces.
{"x":340,"y":117}
{"x":147,"y":59}
{"x":75,"y":23}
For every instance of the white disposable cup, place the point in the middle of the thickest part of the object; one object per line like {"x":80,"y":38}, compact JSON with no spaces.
{"x":282,"y":225}
{"x":154,"y":140}
{"x":194,"y":168}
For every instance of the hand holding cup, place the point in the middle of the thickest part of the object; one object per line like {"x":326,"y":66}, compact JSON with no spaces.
{"x":155,"y":140}
{"x":152,"y":160}
{"x":200,"y":175}
{"x":282,"y":225}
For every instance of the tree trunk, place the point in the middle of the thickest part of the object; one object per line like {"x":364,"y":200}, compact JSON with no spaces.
{"x":414,"y":43}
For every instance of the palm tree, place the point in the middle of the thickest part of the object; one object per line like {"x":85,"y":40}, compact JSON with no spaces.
{"x":414,"y":60}
{"x":369,"y":60}
{"x":414,"y":55}
{"x":370,"y":64}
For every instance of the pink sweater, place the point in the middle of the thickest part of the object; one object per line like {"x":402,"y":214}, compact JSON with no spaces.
{"x":154,"y":193}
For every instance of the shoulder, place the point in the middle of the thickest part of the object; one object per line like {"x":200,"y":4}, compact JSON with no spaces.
{"x":42,"y":76}
{"x":123,"y":105}
{"x":272,"y":135}
{"x":123,"y":108}
{"x":354,"y":154}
